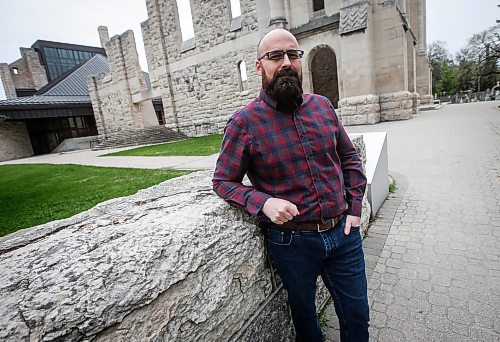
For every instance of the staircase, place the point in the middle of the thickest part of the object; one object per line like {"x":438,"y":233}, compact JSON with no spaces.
{"x":144,"y":136}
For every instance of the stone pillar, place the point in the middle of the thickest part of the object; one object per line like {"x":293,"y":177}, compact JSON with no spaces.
{"x":359,"y":104}
{"x":7,"y":81}
{"x":156,"y":45}
{"x":103,"y":35}
{"x":278,"y":19}
{"x":37,"y":71}
{"x":97,"y":105}
{"x":424,"y":78}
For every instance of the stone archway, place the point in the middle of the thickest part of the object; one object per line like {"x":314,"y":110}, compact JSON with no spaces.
{"x":324,"y":74}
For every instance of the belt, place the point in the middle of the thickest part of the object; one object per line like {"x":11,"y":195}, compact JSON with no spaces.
{"x":313,"y":227}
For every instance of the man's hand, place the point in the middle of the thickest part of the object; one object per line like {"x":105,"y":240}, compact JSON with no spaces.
{"x":351,"y":222}
{"x":279,"y":210}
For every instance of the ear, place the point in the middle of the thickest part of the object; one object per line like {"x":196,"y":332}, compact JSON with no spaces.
{"x":258,"y":68}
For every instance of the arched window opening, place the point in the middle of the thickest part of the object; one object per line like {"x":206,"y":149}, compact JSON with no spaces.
{"x":235,"y":9}
{"x":318,"y":5}
{"x":242,"y":73}
{"x":185,"y":19}
{"x":324,"y":74}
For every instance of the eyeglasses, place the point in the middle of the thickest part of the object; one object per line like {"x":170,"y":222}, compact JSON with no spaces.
{"x":278,"y":55}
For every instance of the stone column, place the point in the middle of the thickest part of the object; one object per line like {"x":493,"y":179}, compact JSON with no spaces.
{"x":424,"y":86}
{"x":7,"y":81}
{"x":359,"y":104}
{"x":37,"y":71}
{"x":103,"y":35}
{"x":278,"y":19}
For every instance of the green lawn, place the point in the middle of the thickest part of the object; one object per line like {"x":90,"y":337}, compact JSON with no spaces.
{"x":32,"y":194}
{"x":202,"y":146}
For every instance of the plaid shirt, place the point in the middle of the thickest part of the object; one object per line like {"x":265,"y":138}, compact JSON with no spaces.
{"x":304,"y":157}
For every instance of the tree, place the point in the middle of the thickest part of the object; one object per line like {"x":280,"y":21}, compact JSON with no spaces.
{"x":438,"y":55}
{"x":448,"y":82}
{"x":478,"y":62}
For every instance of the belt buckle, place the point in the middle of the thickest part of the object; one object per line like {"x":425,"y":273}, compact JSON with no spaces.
{"x":318,"y":227}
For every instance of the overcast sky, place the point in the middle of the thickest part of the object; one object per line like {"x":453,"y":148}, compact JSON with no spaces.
{"x":22,"y":22}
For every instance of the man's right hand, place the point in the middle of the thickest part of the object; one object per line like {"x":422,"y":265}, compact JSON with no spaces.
{"x":279,"y":210}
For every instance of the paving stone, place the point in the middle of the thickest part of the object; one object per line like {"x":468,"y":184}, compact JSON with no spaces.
{"x":434,"y":280}
{"x":390,"y":335}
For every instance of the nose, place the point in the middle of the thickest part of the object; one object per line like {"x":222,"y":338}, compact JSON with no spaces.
{"x":286,"y":61}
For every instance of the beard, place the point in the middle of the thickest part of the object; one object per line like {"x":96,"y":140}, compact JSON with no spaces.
{"x":285,"y":88}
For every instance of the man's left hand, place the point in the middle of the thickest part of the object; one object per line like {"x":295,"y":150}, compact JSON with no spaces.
{"x":351,"y":222}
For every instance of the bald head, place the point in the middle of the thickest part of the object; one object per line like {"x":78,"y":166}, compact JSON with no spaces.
{"x":276,"y":40}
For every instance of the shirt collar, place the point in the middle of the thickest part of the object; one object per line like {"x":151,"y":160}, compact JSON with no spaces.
{"x":272,"y":103}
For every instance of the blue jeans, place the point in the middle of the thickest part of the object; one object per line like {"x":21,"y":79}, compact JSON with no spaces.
{"x":301,"y":256}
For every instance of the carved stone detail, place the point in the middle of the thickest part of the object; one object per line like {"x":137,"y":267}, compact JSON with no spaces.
{"x":353,"y":17}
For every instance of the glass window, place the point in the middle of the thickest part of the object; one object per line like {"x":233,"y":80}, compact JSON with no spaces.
{"x":15,"y":71}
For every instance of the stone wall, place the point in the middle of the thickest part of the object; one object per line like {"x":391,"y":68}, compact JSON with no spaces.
{"x":112,"y":95}
{"x":15,"y":141}
{"x":171,"y":263}
{"x":199,"y":80}
{"x":7,"y":81}
{"x":396,"y":106}
{"x":30,"y":73}
{"x":360,"y":110}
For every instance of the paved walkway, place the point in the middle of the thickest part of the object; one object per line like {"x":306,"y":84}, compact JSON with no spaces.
{"x":88,"y":157}
{"x":437,"y":273}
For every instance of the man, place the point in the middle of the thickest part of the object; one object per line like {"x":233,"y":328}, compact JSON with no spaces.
{"x":307,"y":189}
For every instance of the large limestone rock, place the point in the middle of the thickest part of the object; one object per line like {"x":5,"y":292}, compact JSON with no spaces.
{"x":173,"y":262}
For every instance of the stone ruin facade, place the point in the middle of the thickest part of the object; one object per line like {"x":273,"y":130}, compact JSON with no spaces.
{"x":24,"y":74}
{"x":113,"y":95}
{"x":367,"y":57}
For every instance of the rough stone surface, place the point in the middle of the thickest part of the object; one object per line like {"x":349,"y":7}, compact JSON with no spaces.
{"x":396,"y":106}
{"x":360,"y":110}
{"x":112,"y":95}
{"x":158,"y":265}
{"x":15,"y":142}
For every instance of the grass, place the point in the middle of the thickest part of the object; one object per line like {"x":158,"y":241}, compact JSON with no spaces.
{"x":32,"y":194}
{"x":202,"y":146}
{"x":392,"y":187}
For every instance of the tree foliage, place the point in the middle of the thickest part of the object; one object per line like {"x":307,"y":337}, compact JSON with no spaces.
{"x":475,"y":67}
{"x":438,"y":55}
{"x":480,"y":59}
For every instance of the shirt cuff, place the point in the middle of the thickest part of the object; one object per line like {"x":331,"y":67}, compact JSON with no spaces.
{"x":256,"y":201}
{"x":355,"y":208}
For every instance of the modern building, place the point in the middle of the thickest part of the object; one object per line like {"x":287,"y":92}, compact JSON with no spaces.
{"x":61,"y":109}
{"x":42,"y":63}
{"x":39,"y":115}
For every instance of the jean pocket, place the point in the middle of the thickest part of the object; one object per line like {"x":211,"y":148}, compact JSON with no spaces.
{"x":279,"y":237}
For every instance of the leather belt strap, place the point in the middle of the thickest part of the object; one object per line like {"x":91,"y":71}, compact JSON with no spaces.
{"x":313,"y":227}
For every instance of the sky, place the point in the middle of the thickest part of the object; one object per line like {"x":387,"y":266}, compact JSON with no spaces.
{"x":71,"y":21}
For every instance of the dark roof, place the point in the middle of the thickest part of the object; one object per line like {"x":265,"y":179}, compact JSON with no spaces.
{"x":74,"y":81}
{"x":69,"y":88}
{"x":39,"y":44}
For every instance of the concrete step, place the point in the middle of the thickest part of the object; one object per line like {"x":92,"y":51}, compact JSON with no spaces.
{"x":145,"y":136}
